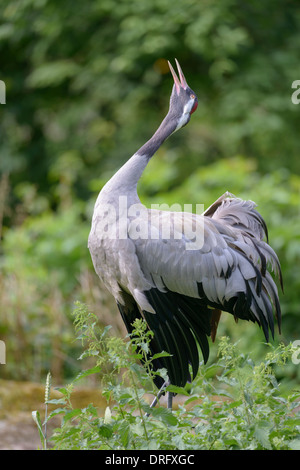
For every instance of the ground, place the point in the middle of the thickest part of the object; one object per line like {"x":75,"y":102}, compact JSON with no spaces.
{"x":17,"y":401}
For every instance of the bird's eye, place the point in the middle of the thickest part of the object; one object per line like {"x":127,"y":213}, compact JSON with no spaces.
{"x":193,"y":97}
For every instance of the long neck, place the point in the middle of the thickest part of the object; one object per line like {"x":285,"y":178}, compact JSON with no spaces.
{"x":126,"y":179}
{"x":166,"y":128}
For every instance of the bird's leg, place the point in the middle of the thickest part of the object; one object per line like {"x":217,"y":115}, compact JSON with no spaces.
{"x":154,"y":402}
{"x":170,"y":400}
{"x":160,"y":392}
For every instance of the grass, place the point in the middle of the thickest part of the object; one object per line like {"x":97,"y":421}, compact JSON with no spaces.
{"x":232,"y":404}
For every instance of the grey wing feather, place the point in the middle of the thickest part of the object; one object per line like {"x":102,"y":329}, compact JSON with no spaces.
{"x":190,"y":287}
{"x":238,"y":214}
{"x":230,"y":265}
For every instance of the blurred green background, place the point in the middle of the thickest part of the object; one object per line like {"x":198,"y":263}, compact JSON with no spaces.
{"x":87,"y":83}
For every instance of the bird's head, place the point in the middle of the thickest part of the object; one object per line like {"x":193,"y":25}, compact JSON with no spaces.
{"x":183,"y":101}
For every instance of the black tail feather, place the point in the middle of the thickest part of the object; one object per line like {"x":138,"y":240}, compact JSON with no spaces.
{"x":179,"y":323}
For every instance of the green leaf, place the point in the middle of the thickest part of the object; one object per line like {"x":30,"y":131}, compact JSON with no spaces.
{"x":178,"y":390}
{"x":192,"y":398}
{"x":105,"y":430}
{"x":87,"y":372}
{"x":248,"y":398}
{"x":37,"y":419}
{"x":71,"y":414}
{"x":262,"y":435}
{"x":161,"y":354}
{"x":124,"y":430}
{"x":292,"y":422}
{"x":234,"y":404}
{"x":165,"y":415}
{"x":294,"y":444}
{"x":57,"y":401}
{"x":211,"y":371}
{"x":105,"y":331}
{"x":56,"y":412}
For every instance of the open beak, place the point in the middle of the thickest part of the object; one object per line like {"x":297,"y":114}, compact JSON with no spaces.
{"x":178,"y":83}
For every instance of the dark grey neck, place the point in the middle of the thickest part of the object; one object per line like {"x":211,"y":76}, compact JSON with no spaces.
{"x":125,"y":180}
{"x":167,"y":127}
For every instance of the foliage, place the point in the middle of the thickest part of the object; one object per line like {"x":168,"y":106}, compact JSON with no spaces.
{"x":243,"y":409}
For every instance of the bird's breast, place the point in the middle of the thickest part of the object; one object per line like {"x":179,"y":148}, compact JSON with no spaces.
{"x":112,"y":249}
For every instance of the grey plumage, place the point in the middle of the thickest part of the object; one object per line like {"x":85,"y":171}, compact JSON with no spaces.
{"x":180,"y":283}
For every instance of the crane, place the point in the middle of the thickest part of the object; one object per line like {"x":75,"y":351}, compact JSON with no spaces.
{"x":178,"y":271}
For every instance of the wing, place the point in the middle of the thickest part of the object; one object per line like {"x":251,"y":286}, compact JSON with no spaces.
{"x":239,"y":214}
{"x":195,"y":278}
{"x":250,"y":228}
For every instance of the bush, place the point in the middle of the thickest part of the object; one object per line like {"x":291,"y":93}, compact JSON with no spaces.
{"x":233,"y":404}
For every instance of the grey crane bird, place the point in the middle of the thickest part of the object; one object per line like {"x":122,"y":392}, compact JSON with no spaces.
{"x":180,"y":283}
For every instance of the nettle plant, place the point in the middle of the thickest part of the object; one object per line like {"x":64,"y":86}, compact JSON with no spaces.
{"x":232,"y":404}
